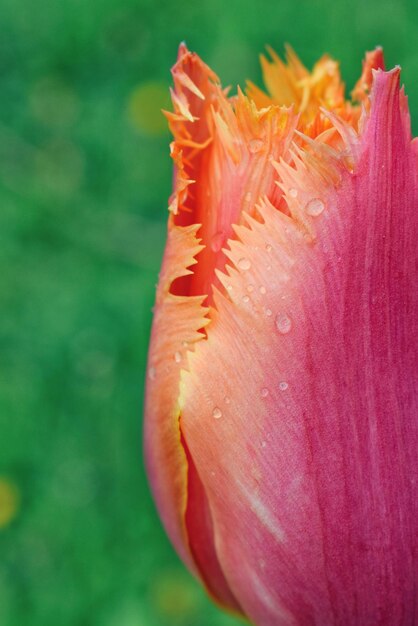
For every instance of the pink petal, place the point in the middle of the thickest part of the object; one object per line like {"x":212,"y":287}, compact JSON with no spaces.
{"x":300,"y":410}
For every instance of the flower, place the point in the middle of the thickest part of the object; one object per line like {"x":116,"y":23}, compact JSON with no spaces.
{"x":281,"y":417}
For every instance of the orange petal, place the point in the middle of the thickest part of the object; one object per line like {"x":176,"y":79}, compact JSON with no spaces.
{"x":223,"y":150}
{"x":176,"y":326}
{"x":374,"y":61}
{"x":291,"y":84}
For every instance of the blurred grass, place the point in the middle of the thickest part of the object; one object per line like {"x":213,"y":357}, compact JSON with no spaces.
{"x":84,"y":180}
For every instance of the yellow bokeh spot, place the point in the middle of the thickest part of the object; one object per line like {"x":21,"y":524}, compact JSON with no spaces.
{"x":9,"y":502}
{"x":174,"y":596}
{"x":144,"y":108}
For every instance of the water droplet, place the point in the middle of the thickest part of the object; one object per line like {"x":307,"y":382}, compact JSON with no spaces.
{"x":244,"y":264}
{"x":268,"y":312}
{"x":255,"y":145}
{"x":227,"y":399}
{"x":229,"y":287}
{"x":151,"y":373}
{"x":245,"y":298}
{"x":264,"y":392}
{"x":185,"y":344}
{"x":262,"y":289}
{"x":217,"y":413}
{"x":315,"y":207}
{"x":283,"y":323}
{"x":177,"y":357}
{"x":248,"y":196}
{"x":250,"y":288}
{"x":293,"y":192}
{"x":283,"y":385}
{"x":269,"y":248}
{"x":263,"y":444}
{"x":217,"y":241}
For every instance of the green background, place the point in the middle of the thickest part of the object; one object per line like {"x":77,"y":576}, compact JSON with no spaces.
{"x":84,"y":180}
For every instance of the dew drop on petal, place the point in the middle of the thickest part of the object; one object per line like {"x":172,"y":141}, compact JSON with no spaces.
{"x":245,"y":298}
{"x":283,"y":385}
{"x":315,"y":207}
{"x":250,"y":288}
{"x":151,"y":373}
{"x":177,"y":357}
{"x":269,"y":248}
{"x":264,"y":392}
{"x":262,"y":289}
{"x":244,"y":264}
{"x":293,"y":192}
{"x":283,"y":323}
{"x":217,"y":413}
{"x":268,"y":312}
{"x":255,"y":145}
{"x":227,"y":399}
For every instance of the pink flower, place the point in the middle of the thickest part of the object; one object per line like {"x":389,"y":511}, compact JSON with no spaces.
{"x":281,"y":422}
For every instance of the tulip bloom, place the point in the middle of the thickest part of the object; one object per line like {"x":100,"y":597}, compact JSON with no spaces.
{"x":281,"y":421}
